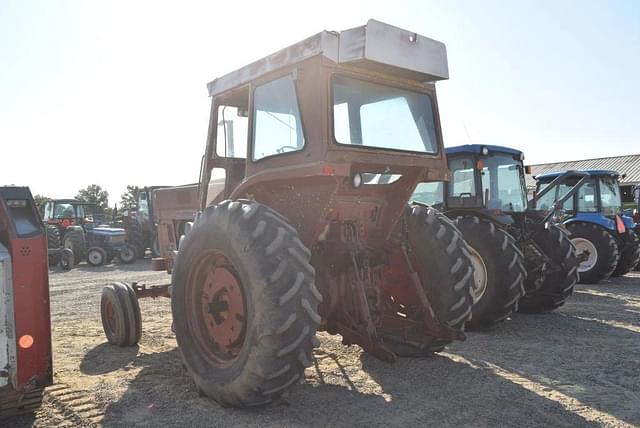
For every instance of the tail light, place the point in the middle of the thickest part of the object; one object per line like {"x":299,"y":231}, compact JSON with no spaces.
{"x":620,"y":225}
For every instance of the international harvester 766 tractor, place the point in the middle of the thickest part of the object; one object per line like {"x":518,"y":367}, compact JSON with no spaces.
{"x":25,"y":329}
{"x":312,"y":156}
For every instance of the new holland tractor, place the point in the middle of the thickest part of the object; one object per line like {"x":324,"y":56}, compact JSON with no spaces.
{"x":305,"y":223}
{"x":25,"y":329}
{"x":521,"y":260}
{"x":74,"y":225}
{"x":596,"y":224}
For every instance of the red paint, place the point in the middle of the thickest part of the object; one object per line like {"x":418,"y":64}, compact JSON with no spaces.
{"x":31,"y":308}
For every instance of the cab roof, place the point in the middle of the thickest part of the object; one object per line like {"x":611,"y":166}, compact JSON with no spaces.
{"x":592,"y":172}
{"x":376,"y":45}
{"x":476,"y":149}
{"x":71,"y":201}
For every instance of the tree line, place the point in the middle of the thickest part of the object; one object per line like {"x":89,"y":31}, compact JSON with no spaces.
{"x":94,"y":193}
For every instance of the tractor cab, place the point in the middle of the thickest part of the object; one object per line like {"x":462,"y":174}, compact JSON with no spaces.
{"x":338,"y":126}
{"x":598,"y":199}
{"x":70,"y":212}
{"x":482,"y":177}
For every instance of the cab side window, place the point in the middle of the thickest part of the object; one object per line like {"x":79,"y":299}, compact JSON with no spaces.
{"x":277,"y":127}
{"x":233,"y":129}
{"x":587,"y":197}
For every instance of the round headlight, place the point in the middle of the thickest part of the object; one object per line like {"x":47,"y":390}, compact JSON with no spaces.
{"x":484,"y":151}
{"x":357,"y":180}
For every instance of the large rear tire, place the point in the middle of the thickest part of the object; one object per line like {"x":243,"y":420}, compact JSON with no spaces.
{"x":442,"y":261}
{"x":561,"y":275}
{"x":53,"y":243}
{"x":74,"y":240}
{"x":629,"y":253}
{"x":128,"y":255}
{"x":602,"y":247}
{"x":499,"y":274}
{"x":244,"y":304}
{"x":134,"y":235}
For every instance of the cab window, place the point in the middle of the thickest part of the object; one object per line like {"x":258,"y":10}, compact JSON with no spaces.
{"x":587,"y":197}
{"x":233,"y":127}
{"x":463,"y":178}
{"x":277,"y":127}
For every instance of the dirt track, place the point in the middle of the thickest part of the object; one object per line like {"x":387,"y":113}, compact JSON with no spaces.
{"x":578,"y":366}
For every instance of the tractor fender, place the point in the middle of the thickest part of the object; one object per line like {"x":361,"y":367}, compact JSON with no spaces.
{"x":628,"y":222}
{"x":594,"y":218}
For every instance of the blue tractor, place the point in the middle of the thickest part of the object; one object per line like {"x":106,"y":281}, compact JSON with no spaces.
{"x":521,"y":260}
{"x":74,"y":225}
{"x":594,"y":219}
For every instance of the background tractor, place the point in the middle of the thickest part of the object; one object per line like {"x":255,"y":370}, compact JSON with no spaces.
{"x":76,"y":226}
{"x":598,"y":229}
{"x":25,"y":329}
{"x":154,"y":204}
{"x":312,"y":156}
{"x":520,"y":260}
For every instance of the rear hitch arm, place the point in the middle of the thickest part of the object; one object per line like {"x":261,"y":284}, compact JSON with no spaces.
{"x":432,"y":325}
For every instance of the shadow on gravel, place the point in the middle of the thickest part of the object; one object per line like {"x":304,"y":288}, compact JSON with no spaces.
{"x":439,"y":391}
{"x":138,"y":266}
{"x":23,"y":421}
{"x":590,"y":361}
{"x":415,"y":392}
{"x":106,"y":358}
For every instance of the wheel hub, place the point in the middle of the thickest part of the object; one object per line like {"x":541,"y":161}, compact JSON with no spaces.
{"x":479,"y":275}
{"x":585,"y":246}
{"x":218,"y":320}
{"x":95,"y":257}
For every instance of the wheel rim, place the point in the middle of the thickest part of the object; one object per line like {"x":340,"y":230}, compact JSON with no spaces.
{"x":479,"y":275}
{"x":95,"y":257}
{"x":584,"y":245}
{"x":216,"y":312}
{"x":110,"y":316}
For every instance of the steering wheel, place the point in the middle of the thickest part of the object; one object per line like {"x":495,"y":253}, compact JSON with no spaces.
{"x":285,"y":149}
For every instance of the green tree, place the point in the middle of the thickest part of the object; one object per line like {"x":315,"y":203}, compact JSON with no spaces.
{"x":94,"y":193}
{"x":128,"y":200}
{"x":40,"y":200}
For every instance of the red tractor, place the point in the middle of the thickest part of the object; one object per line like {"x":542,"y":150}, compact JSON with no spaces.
{"x":304,"y":219}
{"x":25,"y":329}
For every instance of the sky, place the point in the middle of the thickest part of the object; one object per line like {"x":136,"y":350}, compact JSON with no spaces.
{"x":114,"y":92}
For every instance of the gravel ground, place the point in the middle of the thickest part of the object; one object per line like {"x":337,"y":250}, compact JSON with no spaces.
{"x":578,"y":366}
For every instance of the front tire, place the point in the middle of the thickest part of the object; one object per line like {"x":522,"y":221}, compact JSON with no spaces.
{"x":629,"y":253}
{"x":442,"y":261}
{"x":602,"y":247}
{"x":120,"y":314}
{"x":96,"y":256}
{"x":244,"y":304}
{"x":504,"y":271}
{"x":561,"y":275}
